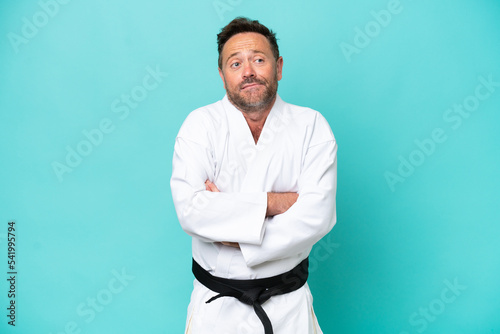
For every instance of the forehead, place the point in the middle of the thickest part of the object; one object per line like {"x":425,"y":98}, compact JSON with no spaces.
{"x":247,"y":41}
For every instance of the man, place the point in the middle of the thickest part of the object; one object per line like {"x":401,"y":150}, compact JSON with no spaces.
{"x":253,"y":182}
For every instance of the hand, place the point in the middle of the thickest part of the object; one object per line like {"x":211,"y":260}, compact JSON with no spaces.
{"x":210,"y":186}
{"x":278,"y":203}
{"x":231,"y":244}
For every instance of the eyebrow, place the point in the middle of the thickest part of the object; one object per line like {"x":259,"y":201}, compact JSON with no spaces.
{"x":238,"y":52}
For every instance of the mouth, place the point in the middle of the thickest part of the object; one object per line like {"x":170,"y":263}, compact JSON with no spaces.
{"x":252,"y":85}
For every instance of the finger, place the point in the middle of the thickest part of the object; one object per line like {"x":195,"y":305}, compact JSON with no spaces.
{"x":231,"y":244}
{"x":211,"y":187}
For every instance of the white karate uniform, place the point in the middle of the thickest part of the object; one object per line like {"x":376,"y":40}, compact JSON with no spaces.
{"x":296,"y":152}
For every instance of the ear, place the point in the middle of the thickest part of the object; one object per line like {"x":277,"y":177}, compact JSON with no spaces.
{"x":279,"y":68}
{"x":222,"y":77}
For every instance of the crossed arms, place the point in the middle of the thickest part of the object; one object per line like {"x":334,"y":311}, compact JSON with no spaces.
{"x":277,"y":203}
{"x":266,"y":226}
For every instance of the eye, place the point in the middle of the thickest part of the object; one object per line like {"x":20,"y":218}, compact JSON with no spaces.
{"x":259,"y":60}
{"x":235,"y":64}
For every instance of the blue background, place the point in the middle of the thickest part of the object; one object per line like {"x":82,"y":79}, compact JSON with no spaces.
{"x":387,"y":265}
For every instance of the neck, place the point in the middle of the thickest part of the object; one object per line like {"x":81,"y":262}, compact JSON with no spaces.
{"x":257,"y":116}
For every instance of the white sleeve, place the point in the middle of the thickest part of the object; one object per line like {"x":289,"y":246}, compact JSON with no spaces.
{"x":211,"y":216}
{"x":310,"y":218}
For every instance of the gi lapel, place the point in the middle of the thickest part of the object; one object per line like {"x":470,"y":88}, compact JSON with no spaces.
{"x":253,"y":158}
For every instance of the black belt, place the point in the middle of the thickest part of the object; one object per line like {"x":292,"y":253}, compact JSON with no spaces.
{"x":254,"y":292}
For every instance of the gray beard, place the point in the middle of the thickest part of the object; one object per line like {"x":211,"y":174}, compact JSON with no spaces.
{"x":247,"y":106}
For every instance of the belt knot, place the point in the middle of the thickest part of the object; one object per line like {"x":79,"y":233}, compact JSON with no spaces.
{"x":252,"y":296}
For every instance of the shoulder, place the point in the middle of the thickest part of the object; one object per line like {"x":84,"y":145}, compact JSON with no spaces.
{"x":210,"y":113}
{"x":202,"y":121}
{"x":314,"y":122}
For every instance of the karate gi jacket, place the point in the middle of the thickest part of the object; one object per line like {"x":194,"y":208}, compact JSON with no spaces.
{"x":296,"y":152}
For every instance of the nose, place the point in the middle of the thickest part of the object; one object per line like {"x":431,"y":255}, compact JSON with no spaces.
{"x":248,"y":70}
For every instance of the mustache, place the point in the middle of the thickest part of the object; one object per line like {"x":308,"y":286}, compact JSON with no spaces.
{"x":248,"y":81}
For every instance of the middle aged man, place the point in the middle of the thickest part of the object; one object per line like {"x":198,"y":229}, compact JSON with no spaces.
{"x":253,"y":182}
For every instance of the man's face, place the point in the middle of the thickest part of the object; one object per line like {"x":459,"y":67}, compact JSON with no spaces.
{"x":249,"y":71}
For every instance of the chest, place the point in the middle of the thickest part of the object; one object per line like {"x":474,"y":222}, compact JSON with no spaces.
{"x":272,"y":164}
